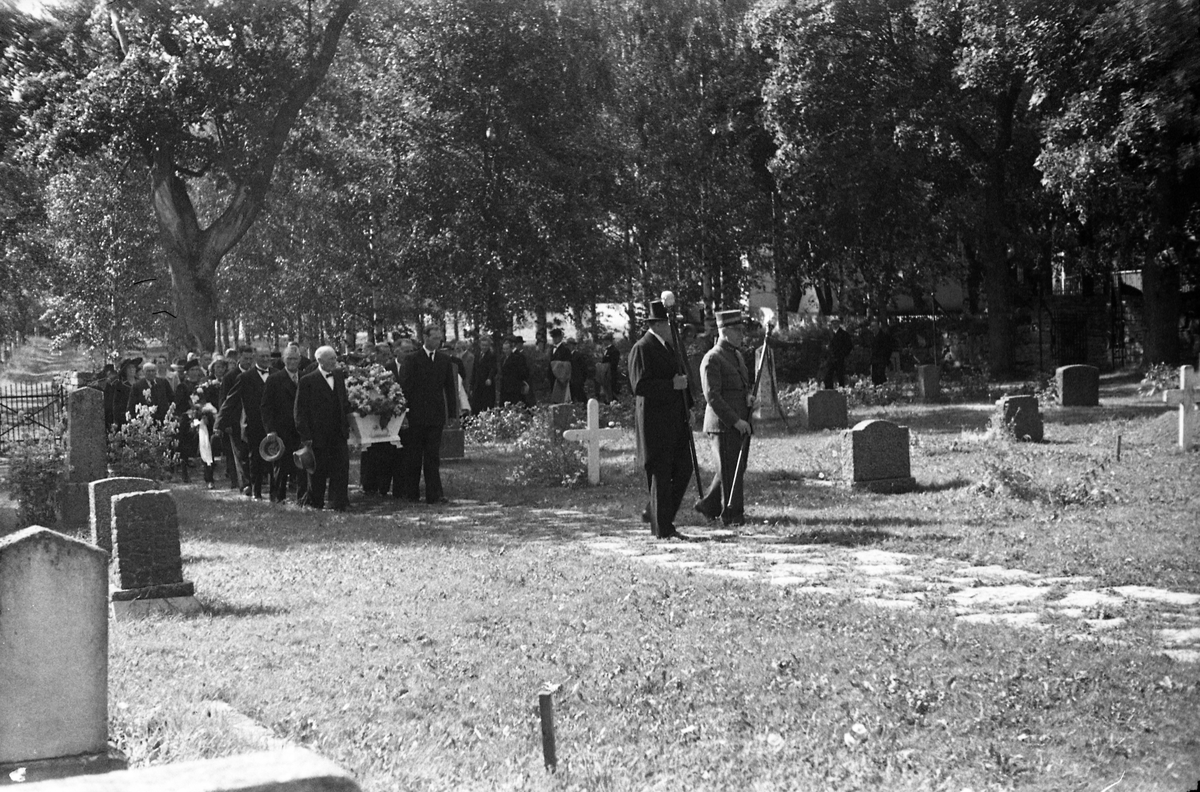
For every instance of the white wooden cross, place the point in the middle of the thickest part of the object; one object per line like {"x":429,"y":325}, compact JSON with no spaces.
{"x":592,"y":436}
{"x":1185,"y":397}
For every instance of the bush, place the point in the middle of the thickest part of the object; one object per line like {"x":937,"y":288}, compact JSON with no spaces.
{"x":34,"y":475}
{"x":143,"y":447}
{"x":497,"y":425}
{"x":1159,"y":377}
{"x":544,"y":461}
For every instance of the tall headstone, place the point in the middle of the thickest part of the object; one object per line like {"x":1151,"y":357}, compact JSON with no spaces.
{"x":929,"y":383}
{"x":87,"y":458}
{"x":1023,"y":415}
{"x":875,"y":456}
{"x":100,"y":495}
{"x":824,"y":409}
{"x":454,"y":441}
{"x":1078,"y":386}
{"x":53,"y":655}
{"x":148,"y":567}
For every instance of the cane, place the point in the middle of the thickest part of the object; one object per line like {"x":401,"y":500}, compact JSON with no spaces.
{"x":739,"y":470}
{"x":668,"y":299}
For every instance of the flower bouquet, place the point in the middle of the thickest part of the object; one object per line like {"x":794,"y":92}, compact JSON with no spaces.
{"x":378,"y":403}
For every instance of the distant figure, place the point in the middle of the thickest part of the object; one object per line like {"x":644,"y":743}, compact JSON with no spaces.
{"x":882,"y":347}
{"x":835,"y":356}
{"x":151,"y":390}
{"x":609,"y":378}
{"x":429,"y":385}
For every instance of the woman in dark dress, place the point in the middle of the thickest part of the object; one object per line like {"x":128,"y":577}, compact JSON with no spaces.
{"x":116,"y":395}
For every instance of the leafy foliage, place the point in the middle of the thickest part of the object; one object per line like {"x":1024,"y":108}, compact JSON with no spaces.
{"x":546,"y":461}
{"x":35,"y":475}
{"x":144,"y":447}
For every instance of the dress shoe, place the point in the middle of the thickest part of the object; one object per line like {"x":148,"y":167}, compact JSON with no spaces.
{"x":698,"y":507}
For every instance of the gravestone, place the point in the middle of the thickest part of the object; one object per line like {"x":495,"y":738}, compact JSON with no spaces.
{"x":1022,"y":414}
{"x":875,"y":456}
{"x":824,"y":409}
{"x":53,"y":656}
{"x":454,"y":441}
{"x":147,"y":567}
{"x":100,"y":495}
{"x":1185,"y":398}
{"x":929,"y":383}
{"x":593,"y":435}
{"x":1078,"y":386}
{"x":87,"y":458}
{"x":286,"y":770}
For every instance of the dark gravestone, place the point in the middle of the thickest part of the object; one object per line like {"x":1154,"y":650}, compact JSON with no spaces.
{"x":929,"y":383}
{"x":453,"y":441}
{"x":1023,"y":416}
{"x":147,"y":561}
{"x":824,"y":409}
{"x":1078,"y":386}
{"x":875,"y":456}
{"x":100,"y":495}
{"x":562,"y":417}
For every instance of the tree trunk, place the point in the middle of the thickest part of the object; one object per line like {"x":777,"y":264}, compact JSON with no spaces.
{"x":1160,"y":310}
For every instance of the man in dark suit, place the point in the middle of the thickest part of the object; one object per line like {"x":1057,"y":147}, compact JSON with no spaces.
{"x":662,"y":409}
{"x":514,"y":373}
{"x":321,"y":411}
{"x":582,"y":370}
{"x":279,"y":419}
{"x":241,"y":413}
{"x":236,"y":454}
{"x":727,"y":381}
{"x":151,"y":390}
{"x":562,"y":369}
{"x":483,"y":382}
{"x":427,"y":380}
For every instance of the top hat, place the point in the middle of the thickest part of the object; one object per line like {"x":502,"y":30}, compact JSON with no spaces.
{"x":729,"y":318}
{"x":656,"y":311}
{"x":516,"y":339}
{"x":271,"y":448}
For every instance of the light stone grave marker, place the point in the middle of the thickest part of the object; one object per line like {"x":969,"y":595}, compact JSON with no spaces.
{"x":87,"y":458}
{"x":875,"y":456}
{"x":1185,"y":398}
{"x":593,"y":435}
{"x":148,"y":565}
{"x":824,"y":409}
{"x":100,"y":495}
{"x":53,"y":656}
{"x":1078,"y":386}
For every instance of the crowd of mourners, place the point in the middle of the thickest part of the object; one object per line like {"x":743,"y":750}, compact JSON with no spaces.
{"x":254,"y":412}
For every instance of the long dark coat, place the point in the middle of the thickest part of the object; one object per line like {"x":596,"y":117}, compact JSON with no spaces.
{"x":429,"y":388}
{"x":321,"y":414}
{"x":278,"y":408}
{"x":245,"y":399}
{"x":659,"y":408}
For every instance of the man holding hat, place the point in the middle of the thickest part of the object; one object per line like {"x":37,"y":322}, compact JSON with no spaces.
{"x":726,"y":383}
{"x":321,"y":411}
{"x":241,"y":414}
{"x":279,"y":420}
{"x":662,"y":408}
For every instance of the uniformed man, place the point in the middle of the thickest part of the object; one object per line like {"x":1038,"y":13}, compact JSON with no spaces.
{"x":662,"y":406}
{"x":726,"y":383}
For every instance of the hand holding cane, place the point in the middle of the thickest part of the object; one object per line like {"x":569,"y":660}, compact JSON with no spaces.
{"x":739,"y":471}
{"x":668,"y":299}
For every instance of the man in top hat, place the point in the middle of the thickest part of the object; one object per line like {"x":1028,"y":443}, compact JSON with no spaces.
{"x":726,"y":382}
{"x":151,"y":390}
{"x":278,"y":411}
{"x":321,"y":412}
{"x":662,"y":409}
{"x":561,"y":368}
{"x":241,"y":413}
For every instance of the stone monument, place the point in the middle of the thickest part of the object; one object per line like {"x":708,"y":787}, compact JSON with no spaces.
{"x":929,"y":383}
{"x":53,"y":656}
{"x":147,"y":567}
{"x":87,"y":458}
{"x":454,"y":441}
{"x":593,"y":435}
{"x":1078,"y":386}
{"x":875,"y":456}
{"x":561,"y":418}
{"x":1022,"y":414}
{"x":824,"y":409}
{"x":100,"y":495}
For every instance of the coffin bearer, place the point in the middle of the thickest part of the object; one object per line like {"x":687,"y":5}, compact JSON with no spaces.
{"x":661,"y":407}
{"x":726,"y":383}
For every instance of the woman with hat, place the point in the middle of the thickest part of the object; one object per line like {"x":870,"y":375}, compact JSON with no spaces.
{"x":116,"y":396}
{"x":188,"y":414}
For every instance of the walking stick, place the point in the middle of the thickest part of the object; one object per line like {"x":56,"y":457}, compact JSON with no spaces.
{"x":739,"y":470}
{"x":668,"y":299}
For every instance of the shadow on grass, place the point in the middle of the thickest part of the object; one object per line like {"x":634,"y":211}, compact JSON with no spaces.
{"x":221,"y":608}
{"x":850,"y":537}
{"x":944,"y":486}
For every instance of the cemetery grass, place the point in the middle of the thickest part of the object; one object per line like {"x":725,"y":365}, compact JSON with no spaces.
{"x":412,"y":650}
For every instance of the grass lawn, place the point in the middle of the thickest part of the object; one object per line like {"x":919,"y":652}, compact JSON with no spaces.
{"x":411,"y":649}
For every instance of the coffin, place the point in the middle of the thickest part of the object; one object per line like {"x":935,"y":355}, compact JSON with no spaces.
{"x":366,"y":430}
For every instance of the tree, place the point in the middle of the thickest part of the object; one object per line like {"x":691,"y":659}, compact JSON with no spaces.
{"x":1121,"y":156}
{"x":197,"y":91}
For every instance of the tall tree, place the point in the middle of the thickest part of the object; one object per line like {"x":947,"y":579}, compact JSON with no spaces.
{"x":196,"y":90}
